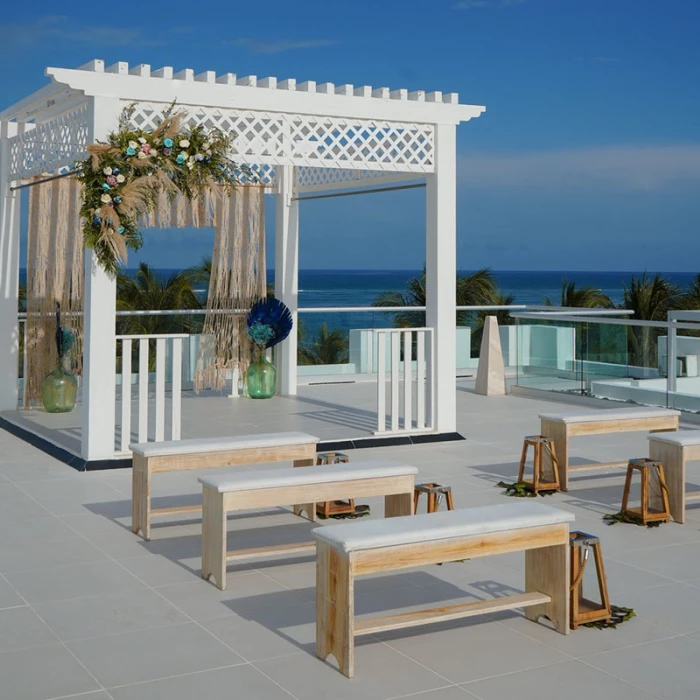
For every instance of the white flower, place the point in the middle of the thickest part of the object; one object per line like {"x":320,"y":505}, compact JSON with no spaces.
{"x":198,"y":156}
{"x":190,"y":164}
{"x":208,"y":151}
{"x":105,"y":198}
{"x":206,"y":145}
{"x":141,"y":155}
{"x":107,"y":171}
{"x":133,"y":144}
{"x":120,"y":178}
{"x":184,"y":143}
{"x":142,"y":140}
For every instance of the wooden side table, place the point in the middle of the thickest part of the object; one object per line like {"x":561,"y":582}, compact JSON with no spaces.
{"x":434,"y":492}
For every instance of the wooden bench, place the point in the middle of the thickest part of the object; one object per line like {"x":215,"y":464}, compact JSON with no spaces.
{"x":224,"y":493}
{"x":205,"y":453}
{"x":673,"y":450}
{"x":562,"y":425}
{"x":344,"y":552}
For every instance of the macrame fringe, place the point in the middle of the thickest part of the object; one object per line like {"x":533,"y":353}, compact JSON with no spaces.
{"x":54,"y":274}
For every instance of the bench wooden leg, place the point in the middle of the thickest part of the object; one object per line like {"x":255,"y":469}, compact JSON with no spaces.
{"x":310,"y":508}
{"x":214,"y":532}
{"x":673,"y":459}
{"x":335,"y":608}
{"x":547,"y":571}
{"x":557,"y":431}
{"x":141,"y":497}
{"x":398,"y":504}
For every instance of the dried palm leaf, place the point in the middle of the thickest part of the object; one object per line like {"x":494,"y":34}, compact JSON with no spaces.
{"x":97,"y":150}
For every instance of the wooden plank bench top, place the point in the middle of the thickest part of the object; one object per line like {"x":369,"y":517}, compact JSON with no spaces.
{"x":224,"y":493}
{"x":562,"y":425}
{"x":673,"y":450}
{"x":207,"y":453}
{"x":350,"y":550}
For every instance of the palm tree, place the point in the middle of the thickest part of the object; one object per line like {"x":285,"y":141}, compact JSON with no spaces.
{"x":149,"y":291}
{"x":475,"y":289}
{"x":201,"y":274}
{"x":691,"y":297}
{"x":582,"y":298}
{"x":650,"y":299}
{"x":325,"y":349}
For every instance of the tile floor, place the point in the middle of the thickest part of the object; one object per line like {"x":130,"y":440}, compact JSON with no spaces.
{"x":88,"y":610}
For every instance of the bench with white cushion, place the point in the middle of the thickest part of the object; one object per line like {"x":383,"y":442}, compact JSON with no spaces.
{"x":344,"y":552}
{"x":224,"y":493}
{"x":562,"y":425}
{"x":673,"y":450}
{"x":205,"y":453}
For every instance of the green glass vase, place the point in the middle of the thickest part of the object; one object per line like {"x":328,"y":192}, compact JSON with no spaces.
{"x":261,"y":379}
{"x":59,"y":390}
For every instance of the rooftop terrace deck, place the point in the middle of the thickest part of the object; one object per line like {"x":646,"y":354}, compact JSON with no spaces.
{"x":89,"y":610}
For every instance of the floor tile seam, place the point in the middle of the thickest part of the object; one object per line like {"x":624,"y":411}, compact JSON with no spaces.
{"x":70,"y":651}
{"x":41,"y":505}
{"x":421,"y":692}
{"x":80,"y":695}
{"x":150,"y":628}
{"x":633,"y":685}
{"x":649,"y":571}
{"x":418,"y":663}
{"x":272,"y":680}
{"x":522,"y":670}
{"x":676,"y":635}
{"x":175,"y":675}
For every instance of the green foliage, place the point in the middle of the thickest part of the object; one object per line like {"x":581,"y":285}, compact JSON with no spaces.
{"x":582,"y":297}
{"x":617,"y":617}
{"x":519,"y":489}
{"x":625,"y":517}
{"x":328,"y":348}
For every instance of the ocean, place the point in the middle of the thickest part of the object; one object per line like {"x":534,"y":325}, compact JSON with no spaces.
{"x":337,"y":288}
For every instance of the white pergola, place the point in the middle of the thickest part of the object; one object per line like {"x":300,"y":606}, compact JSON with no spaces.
{"x":300,"y":137}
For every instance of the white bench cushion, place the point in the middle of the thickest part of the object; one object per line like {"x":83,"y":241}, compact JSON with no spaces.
{"x":303,"y":476}
{"x":429,"y":527}
{"x":220,"y":444}
{"x":574,"y":416}
{"x":684,"y":438}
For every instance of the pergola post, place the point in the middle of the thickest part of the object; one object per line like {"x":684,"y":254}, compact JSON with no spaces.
{"x":441,"y":269}
{"x":287,"y":275}
{"x":9,"y":277}
{"x":99,"y":330}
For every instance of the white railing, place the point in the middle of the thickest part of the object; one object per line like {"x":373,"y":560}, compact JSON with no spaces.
{"x":141,"y":379}
{"x":411,"y":394}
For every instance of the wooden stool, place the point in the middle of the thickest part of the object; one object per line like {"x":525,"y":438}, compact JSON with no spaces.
{"x":648,"y":511}
{"x":582,"y":609}
{"x":325,"y":510}
{"x":435,"y":493}
{"x":545,"y":475}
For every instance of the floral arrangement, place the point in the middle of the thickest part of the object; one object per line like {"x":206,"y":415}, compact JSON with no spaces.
{"x":122,"y":178}
{"x":65,"y":338}
{"x":269,"y":323}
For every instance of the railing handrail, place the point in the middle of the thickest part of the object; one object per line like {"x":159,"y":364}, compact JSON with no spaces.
{"x":155,"y":336}
{"x":579,"y":318}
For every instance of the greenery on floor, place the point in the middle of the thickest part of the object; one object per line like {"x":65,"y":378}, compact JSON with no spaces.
{"x":619,"y":615}
{"x":625,"y":517}
{"x":519,"y":489}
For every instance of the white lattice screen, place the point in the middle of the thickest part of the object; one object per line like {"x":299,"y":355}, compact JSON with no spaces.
{"x":270,"y":138}
{"x":49,"y":146}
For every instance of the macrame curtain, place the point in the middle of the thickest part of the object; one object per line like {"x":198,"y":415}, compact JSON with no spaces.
{"x":238,"y":280}
{"x":238,"y":272}
{"x":54,"y":274}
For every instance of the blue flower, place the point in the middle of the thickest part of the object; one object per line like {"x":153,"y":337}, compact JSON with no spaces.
{"x":130,"y":151}
{"x":96,"y":220}
{"x":261,"y":334}
{"x":207,"y":159}
{"x":121,"y":229}
{"x":115,"y":171}
{"x":118,"y":199}
{"x":168,"y":143}
{"x":106,"y":187}
{"x":181,"y":158}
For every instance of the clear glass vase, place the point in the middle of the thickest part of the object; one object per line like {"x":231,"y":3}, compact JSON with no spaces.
{"x":59,"y":390}
{"x":261,"y":379}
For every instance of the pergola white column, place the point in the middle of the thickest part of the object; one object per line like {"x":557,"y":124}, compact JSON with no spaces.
{"x":9,"y":278}
{"x":441,"y":271}
{"x":99,"y":346}
{"x":287,"y":275}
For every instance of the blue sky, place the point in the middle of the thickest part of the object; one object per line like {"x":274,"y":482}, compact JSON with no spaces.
{"x":588,"y":156}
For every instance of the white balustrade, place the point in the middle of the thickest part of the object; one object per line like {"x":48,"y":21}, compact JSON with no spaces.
{"x":408,"y":382}
{"x":168,"y":365}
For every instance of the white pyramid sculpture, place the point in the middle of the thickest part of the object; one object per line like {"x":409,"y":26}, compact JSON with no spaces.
{"x":491,"y":376}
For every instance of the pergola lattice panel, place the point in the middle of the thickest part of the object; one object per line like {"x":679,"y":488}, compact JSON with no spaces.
{"x":320,"y":179}
{"x":270,"y":138}
{"x":49,"y":146}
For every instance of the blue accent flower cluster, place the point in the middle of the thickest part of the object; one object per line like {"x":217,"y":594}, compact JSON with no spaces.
{"x":269,"y":322}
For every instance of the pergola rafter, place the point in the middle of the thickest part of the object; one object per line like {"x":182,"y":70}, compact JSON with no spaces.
{"x":299,"y":137}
